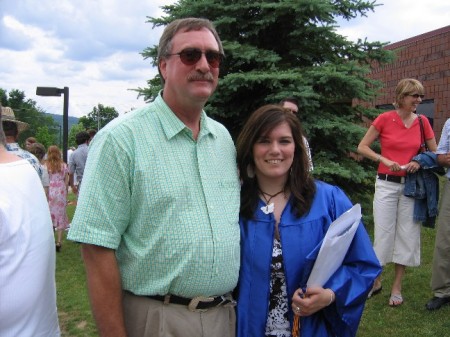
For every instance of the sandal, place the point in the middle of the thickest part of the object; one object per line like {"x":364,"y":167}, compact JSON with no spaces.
{"x":58,"y":247}
{"x":374,"y":291}
{"x":395,"y":300}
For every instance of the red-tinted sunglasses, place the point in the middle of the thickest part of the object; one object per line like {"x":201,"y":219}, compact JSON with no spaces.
{"x":191,"y":56}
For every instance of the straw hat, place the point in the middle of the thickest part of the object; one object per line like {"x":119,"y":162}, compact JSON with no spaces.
{"x":8,"y":116}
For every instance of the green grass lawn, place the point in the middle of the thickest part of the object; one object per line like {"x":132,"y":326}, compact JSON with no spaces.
{"x":75,"y":318}
{"x":410,"y":319}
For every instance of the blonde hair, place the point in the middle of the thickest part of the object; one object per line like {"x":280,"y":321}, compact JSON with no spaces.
{"x":405,"y":87}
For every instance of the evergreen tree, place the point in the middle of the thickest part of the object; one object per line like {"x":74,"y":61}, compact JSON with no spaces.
{"x":285,"y":48}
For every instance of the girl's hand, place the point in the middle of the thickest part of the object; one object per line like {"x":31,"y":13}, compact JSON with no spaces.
{"x":315,"y":299}
{"x":411,"y":167}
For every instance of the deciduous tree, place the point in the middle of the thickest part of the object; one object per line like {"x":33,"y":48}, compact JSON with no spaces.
{"x":99,"y":117}
{"x":73,"y":132}
{"x":27,"y":111}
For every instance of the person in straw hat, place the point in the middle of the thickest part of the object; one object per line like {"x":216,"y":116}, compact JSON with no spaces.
{"x":12,"y":128}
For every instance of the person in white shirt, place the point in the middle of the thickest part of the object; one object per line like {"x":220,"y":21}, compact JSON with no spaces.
{"x":27,"y":252}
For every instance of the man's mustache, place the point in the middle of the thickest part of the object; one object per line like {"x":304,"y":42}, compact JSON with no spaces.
{"x":201,"y":77}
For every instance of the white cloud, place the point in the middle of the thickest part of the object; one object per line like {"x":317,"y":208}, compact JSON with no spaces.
{"x":91,"y":46}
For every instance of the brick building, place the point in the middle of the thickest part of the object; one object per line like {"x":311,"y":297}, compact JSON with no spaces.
{"x":425,"y":57}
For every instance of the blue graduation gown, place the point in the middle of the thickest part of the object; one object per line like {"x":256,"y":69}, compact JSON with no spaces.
{"x":300,"y":240}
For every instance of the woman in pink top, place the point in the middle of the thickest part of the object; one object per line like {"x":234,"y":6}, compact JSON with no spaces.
{"x":397,"y":235}
{"x":59,"y":183}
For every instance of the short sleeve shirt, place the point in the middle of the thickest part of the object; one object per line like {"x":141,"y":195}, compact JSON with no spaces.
{"x":27,"y":255}
{"x":444,"y":142}
{"x":399,"y":143}
{"x":168,"y":204}
{"x":77,"y":161}
{"x":18,"y":151}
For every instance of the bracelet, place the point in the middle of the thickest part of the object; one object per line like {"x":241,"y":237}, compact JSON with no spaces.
{"x":331,"y":296}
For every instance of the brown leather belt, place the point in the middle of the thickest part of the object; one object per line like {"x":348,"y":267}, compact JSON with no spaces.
{"x":391,"y":178}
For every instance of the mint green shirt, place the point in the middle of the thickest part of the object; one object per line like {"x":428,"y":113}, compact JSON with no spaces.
{"x":168,"y":204}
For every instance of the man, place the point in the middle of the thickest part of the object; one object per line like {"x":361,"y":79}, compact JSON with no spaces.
{"x":12,"y":127}
{"x":27,"y":252}
{"x":77,"y":161}
{"x":291,"y":103}
{"x":92,"y":133}
{"x":440,"y":277}
{"x":158,"y":211}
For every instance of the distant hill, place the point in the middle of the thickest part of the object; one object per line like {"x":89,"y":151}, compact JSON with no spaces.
{"x":59,"y":119}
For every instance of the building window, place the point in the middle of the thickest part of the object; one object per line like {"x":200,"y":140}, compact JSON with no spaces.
{"x":427,"y":108}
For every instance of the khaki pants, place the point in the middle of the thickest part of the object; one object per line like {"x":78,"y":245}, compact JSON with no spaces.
{"x":145,"y":317}
{"x":440,"y":278}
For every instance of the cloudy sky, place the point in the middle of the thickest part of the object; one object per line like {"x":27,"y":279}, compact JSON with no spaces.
{"x":93,"y":46}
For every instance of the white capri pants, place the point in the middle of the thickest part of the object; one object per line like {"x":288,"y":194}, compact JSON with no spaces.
{"x":397,"y":235}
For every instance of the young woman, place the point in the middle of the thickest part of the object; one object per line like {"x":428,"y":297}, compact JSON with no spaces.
{"x":397,"y":235}
{"x":59,"y":184}
{"x":284,"y":217}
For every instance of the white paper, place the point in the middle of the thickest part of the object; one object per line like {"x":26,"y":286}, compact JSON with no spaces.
{"x":335,"y":245}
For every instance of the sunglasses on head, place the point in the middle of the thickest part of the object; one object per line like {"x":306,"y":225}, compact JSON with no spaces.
{"x":417,"y":96}
{"x":191,"y":56}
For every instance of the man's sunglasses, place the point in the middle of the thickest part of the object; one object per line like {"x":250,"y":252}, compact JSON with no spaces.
{"x":191,"y":56}
{"x":417,"y":96}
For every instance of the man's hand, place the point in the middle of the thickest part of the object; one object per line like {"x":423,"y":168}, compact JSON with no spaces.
{"x":444,"y":159}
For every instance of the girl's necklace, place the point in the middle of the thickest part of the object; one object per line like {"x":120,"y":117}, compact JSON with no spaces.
{"x":269,"y":206}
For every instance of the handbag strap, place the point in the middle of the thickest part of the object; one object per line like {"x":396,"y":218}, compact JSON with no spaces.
{"x":423,"y":144}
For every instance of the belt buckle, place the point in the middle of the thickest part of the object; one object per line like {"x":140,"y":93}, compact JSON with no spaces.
{"x":192,"y":306}
{"x":229,"y":301}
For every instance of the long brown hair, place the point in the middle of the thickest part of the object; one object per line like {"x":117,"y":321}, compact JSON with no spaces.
{"x":54,"y":160}
{"x":300,"y":182}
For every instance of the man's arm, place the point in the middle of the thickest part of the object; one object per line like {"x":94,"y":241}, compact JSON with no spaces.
{"x":444,"y":159}
{"x":72,"y":186}
{"x":105,"y":291}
